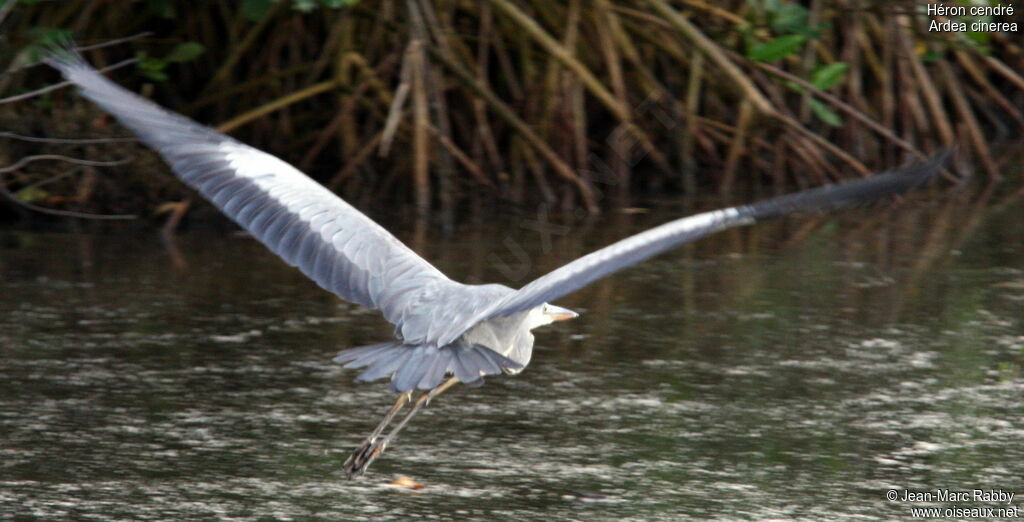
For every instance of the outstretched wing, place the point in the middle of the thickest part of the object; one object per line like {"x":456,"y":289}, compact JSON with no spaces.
{"x":298,"y":219}
{"x":632,"y":250}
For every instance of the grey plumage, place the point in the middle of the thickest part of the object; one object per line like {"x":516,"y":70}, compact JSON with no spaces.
{"x":627,"y":252}
{"x":424,"y":367}
{"x":442,"y":327}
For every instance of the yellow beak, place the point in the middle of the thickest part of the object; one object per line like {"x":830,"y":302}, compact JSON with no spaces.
{"x":557,"y":313}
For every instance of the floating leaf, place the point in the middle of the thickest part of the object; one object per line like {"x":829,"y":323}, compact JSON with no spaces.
{"x":777,"y":49}
{"x":825,"y":114}
{"x":826,"y":76}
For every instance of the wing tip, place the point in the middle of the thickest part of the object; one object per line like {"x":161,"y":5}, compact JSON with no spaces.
{"x":852,"y":193}
{"x":61,"y":53}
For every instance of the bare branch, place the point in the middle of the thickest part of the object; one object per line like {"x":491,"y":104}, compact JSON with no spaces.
{"x":54,"y":212}
{"x":76,"y":141}
{"x":63,"y":213}
{"x":57,"y":157}
{"x":44,"y":90}
{"x":100,"y":45}
{"x":116,"y":41}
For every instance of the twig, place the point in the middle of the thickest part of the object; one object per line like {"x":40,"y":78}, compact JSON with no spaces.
{"x":973,"y":129}
{"x":78,"y":141}
{"x":100,"y":45}
{"x":277,"y":104}
{"x":44,"y":90}
{"x":738,"y":146}
{"x":57,"y":157}
{"x":462,"y":158}
{"x":397,"y":105}
{"x":356,"y":161}
{"x":592,"y":84}
{"x":115,"y":41}
{"x":711,"y":49}
{"x":243,"y":47}
{"x":421,"y":120}
{"x":928,"y":91}
{"x":63,"y":213}
{"x":1005,"y":71}
{"x":50,"y":179}
{"x":839,"y":104}
{"x":506,"y":113}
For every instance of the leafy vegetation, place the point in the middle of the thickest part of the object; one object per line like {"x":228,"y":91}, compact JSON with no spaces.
{"x":572,"y":104}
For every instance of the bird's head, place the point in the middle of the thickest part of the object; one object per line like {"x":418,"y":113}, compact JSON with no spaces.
{"x":549,"y":313}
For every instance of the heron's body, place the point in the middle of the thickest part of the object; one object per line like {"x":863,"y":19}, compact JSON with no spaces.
{"x":445,"y":331}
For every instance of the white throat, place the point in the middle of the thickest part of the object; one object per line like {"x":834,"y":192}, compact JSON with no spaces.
{"x":538,"y":317}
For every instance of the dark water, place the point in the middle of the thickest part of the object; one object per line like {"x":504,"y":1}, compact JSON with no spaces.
{"x":798,"y":369}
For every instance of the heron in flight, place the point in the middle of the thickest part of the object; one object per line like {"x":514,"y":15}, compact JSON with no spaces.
{"x":446,"y":332}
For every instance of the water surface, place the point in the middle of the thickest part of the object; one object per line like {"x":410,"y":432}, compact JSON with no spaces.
{"x":797,"y":369}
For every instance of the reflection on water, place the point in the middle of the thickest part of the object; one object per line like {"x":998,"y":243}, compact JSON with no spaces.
{"x":798,"y":369}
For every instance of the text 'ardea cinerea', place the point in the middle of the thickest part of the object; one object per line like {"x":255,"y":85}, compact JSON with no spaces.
{"x":445,"y":332}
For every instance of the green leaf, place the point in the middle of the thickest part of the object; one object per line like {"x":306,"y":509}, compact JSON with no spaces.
{"x":163,"y":8}
{"x":152,"y":68}
{"x":981,"y":37}
{"x":31,"y":194}
{"x":825,"y":114}
{"x":777,"y":49}
{"x":185,"y":52}
{"x":789,"y":18}
{"x":826,"y":76}
{"x":156,"y":76}
{"x":304,"y":5}
{"x":254,"y":10}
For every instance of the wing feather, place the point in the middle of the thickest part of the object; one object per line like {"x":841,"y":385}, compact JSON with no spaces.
{"x":634,"y":249}
{"x":301,"y":221}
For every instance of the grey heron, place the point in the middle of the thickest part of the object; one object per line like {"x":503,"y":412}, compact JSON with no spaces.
{"x":446,"y":332}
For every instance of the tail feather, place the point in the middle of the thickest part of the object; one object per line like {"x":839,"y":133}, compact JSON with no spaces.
{"x":486,"y":365}
{"x":425,"y":367}
{"x":354,"y":354}
{"x":370,"y":359}
{"x":435,"y":371}
{"x":464,"y":368}
{"x":411,"y":371}
{"x":385,"y":366}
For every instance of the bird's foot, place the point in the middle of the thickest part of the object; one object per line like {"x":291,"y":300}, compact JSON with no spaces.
{"x":363,"y":456}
